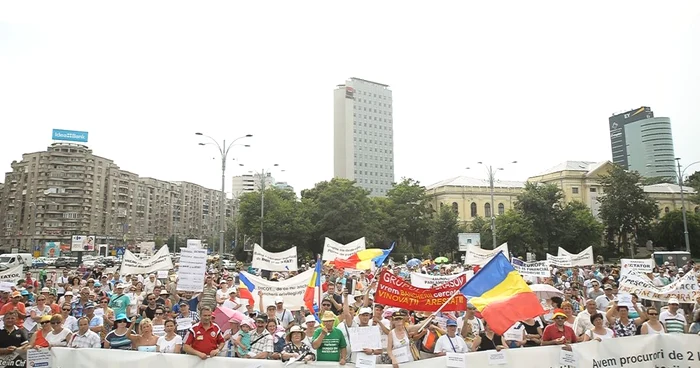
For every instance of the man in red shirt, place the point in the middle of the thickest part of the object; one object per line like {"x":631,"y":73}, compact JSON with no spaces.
{"x":558,"y":333}
{"x":204,"y":339}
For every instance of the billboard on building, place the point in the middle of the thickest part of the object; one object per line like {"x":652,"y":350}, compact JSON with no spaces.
{"x":52,"y":249}
{"x":350,"y":93}
{"x":466,"y":239}
{"x":82,"y":243}
{"x":69,"y":135}
{"x":617,"y":124}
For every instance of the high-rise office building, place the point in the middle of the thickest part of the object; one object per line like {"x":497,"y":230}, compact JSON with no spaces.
{"x":643,"y":143}
{"x":253,"y":182}
{"x":363,"y":135}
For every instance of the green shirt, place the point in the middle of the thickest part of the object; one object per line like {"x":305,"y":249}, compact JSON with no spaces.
{"x":329,"y":351}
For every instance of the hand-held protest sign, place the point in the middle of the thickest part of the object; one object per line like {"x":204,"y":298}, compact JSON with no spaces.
{"x":559,"y":261}
{"x":333,"y":249}
{"x":192,"y":269}
{"x":428,"y":281}
{"x":394,"y":291}
{"x":642,"y":265}
{"x":131,"y":264}
{"x":536,"y":268}
{"x":477,"y":256}
{"x":12,"y":274}
{"x":585,"y":258}
{"x":282,"y":261}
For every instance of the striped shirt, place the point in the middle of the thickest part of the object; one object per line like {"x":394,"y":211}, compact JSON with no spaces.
{"x":208,"y":297}
{"x":120,"y":342}
{"x":88,"y":340}
{"x":675,"y":323}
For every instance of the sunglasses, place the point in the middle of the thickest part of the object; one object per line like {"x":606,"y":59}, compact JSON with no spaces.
{"x":158,"y":314}
{"x":43,"y":323}
{"x":66,"y":310}
{"x":55,"y":323}
{"x":326,"y":305}
{"x":151,"y":299}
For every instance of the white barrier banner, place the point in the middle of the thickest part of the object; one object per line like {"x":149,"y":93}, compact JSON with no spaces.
{"x":131,"y":264}
{"x":644,"y":351}
{"x":12,"y":274}
{"x":641,"y":265}
{"x":477,"y":256}
{"x":285,"y":260}
{"x":292,"y":290}
{"x":192,"y":269}
{"x":585,"y":258}
{"x":428,"y":281}
{"x":559,"y":261}
{"x":332,"y":249}
{"x":684,"y":289}
{"x":536,"y":268}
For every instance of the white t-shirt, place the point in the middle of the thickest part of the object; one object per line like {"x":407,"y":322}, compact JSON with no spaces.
{"x":223,"y":294}
{"x":231,"y":304}
{"x":71,"y":323}
{"x":451,"y":345}
{"x":60,"y":290}
{"x":165,"y":346}
{"x":58,"y":339}
{"x":477,"y":325}
{"x":149,"y":285}
{"x":609,"y":334}
{"x":285,"y":317}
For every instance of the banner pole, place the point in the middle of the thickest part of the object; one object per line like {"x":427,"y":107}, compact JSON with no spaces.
{"x":437,"y":311}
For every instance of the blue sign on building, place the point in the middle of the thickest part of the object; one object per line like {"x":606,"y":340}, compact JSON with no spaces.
{"x":69,"y":135}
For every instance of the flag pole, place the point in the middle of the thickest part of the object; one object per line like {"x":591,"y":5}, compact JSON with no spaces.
{"x":438,"y":311}
{"x":320,"y":289}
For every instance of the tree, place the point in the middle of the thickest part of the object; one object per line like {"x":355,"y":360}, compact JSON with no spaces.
{"x":338,"y":209}
{"x":444,"y":231}
{"x":483,"y":228}
{"x":658,"y":180}
{"x":693,"y":181}
{"x":625,"y":208}
{"x":669,"y":232}
{"x":408,"y":213}
{"x":282,"y":225}
{"x":541,"y":222}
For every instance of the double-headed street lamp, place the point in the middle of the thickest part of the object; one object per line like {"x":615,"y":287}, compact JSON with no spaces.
{"x":680,"y":184}
{"x":223,"y":150}
{"x":491,"y":172}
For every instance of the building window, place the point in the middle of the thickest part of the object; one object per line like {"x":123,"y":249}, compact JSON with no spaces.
{"x":455,"y":208}
{"x":574,"y":190}
{"x":666,"y":210}
{"x":697,"y":209}
{"x":487,"y":210}
{"x":501,"y":208}
{"x":473,"y":209}
{"x":593,"y":190}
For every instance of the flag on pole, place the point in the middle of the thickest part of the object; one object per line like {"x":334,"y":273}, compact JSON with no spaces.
{"x":312,"y":287}
{"x":245,"y":289}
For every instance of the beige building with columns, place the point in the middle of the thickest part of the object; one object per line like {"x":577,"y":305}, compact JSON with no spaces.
{"x":579,"y":180}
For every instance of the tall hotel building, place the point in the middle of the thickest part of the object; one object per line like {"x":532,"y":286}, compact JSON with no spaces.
{"x":364,"y":135}
{"x":643,"y":143}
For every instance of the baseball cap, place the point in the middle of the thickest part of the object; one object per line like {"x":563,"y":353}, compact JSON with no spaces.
{"x":45,"y":290}
{"x":673,"y":301}
{"x":365,"y":310}
{"x":120,"y":286}
{"x":608,"y":287}
{"x":183,"y":302}
{"x":451,"y":322}
{"x":279,"y":300}
{"x":89,"y":305}
{"x":16,"y":294}
{"x":68,"y":293}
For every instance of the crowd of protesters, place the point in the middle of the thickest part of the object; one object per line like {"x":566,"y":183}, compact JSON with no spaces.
{"x":109,"y":310}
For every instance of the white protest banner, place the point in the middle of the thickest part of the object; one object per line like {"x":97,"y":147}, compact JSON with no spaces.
{"x":194,"y":243}
{"x":12,"y":274}
{"x":478,"y":256}
{"x":333,"y":249}
{"x":428,"y":281}
{"x":585,"y":258}
{"x":292,"y":289}
{"x":641,"y":265}
{"x":684,"y":289}
{"x":192,"y":269}
{"x":559,"y":261}
{"x":285,"y":260}
{"x":133,"y":265}
{"x":536,"y":268}
{"x":641,"y":351}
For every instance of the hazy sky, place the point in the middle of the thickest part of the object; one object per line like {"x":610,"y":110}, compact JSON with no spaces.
{"x":533,"y":81}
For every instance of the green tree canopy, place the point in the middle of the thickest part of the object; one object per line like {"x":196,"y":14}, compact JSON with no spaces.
{"x":408,"y":213}
{"x":669,"y":232}
{"x":281,"y":223}
{"x":625,"y":208}
{"x":444,"y":232}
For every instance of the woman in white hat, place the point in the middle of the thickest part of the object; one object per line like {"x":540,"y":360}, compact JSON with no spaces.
{"x":296,"y":348}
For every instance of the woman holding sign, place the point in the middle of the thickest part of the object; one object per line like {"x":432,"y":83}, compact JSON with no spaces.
{"x":399,"y":343}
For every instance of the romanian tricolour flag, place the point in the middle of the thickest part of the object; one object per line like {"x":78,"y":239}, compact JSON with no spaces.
{"x":312,"y":287}
{"x":364,"y":259}
{"x":245,"y":289}
{"x":501,"y":295}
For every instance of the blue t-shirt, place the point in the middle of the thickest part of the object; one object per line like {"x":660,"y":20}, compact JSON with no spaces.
{"x":119,"y":303}
{"x":120,"y":342}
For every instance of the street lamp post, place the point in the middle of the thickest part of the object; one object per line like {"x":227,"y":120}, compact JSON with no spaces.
{"x":680,"y":184}
{"x":223,"y":150}
{"x":262,"y":203}
{"x":491,"y":172}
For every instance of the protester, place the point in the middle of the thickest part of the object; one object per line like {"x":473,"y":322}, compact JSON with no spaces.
{"x":204,"y":339}
{"x":558,"y":333}
{"x":59,"y":335}
{"x":450,"y":342}
{"x":170,"y":342}
{"x":399,"y":341}
{"x":117,"y":338}
{"x":673,"y":319}
{"x":296,"y":348}
{"x":488,"y":340}
{"x":599,"y":332}
{"x":84,"y":338}
{"x":328,"y":341}
{"x":38,"y":339}
{"x":262,"y":343}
